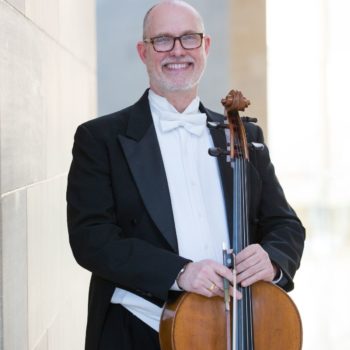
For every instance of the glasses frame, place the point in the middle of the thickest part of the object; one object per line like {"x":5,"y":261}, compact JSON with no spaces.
{"x":151,"y":41}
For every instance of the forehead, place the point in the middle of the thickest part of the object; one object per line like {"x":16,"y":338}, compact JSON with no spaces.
{"x":173,"y":19}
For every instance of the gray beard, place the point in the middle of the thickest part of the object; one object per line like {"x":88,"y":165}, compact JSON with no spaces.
{"x":170,"y":87}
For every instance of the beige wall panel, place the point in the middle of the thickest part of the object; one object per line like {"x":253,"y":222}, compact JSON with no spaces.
{"x":18,"y":4}
{"x":70,"y":100}
{"x":70,"y":335}
{"x":42,"y":344}
{"x":14,"y":270}
{"x":52,"y":272}
{"x":51,"y":87}
{"x":45,"y":14}
{"x":46,"y":93}
{"x":248,"y":48}
{"x":77,"y":29}
{"x":44,"y":257}
{"x":21,"y":101}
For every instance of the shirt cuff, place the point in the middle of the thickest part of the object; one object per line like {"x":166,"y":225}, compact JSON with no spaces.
{"x":278,"y":279}
{"x":175,"y":285}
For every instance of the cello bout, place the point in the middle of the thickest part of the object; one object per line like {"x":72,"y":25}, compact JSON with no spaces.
{"x":192,"y":321}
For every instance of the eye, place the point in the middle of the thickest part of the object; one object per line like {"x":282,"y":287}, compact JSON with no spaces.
{"x":190,"y":38}
{"x":161,"y":40}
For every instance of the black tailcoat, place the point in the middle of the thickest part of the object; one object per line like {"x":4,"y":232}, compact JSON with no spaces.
{"x":120,"y":220}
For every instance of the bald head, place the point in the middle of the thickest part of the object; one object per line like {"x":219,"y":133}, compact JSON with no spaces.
{"x":167,"y":5}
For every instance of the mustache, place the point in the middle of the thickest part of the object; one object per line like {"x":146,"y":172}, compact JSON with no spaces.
{"x":172,"y":60}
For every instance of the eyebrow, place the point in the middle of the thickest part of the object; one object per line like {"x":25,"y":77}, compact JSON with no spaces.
{"x":172,"y":35}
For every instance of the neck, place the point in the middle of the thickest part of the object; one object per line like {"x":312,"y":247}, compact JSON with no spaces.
{"x":179,"y":99}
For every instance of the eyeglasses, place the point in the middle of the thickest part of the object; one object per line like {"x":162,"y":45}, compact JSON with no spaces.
{"x":165,"y":43}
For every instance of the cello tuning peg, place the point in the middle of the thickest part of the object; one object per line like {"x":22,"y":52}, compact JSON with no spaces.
{"x":249,"y":119}
{"x":257,"y":146}
{"x":217,"y":151}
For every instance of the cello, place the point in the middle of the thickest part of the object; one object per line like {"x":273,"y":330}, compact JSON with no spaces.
{"x":266,"y":318}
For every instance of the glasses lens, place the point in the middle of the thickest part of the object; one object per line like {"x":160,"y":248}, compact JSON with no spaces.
{"x":191,"y":41}
{"x":163,"y":43}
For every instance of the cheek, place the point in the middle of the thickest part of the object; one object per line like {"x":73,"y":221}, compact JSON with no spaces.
{"x":154,"y":63}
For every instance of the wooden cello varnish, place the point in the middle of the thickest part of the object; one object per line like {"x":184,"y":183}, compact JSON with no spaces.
{"x":195,"y":322}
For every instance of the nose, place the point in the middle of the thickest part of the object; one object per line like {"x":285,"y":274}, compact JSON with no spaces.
{"x":177,"y":50}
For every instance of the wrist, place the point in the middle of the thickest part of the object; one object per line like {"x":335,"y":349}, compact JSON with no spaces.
{"x":179,"y":275}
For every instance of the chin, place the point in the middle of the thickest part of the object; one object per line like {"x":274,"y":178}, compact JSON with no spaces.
{"x":178,"y":87}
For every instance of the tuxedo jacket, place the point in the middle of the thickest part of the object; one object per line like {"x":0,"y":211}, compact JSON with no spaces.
{"x":120,"y":220}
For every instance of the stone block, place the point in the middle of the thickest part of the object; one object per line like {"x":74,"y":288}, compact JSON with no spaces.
{"x":56,"y":284}
{"x":18,"y":4}
{"x":42,"y":344}
{"x":45,"y":14}
{"x":71,"y":100}
{"x":14,"y":270}
{"x":21,"y":101}
{"x":46,"y":237}
{"x":68,"y":329}
{"x":45,"y":92}
{"x":77,"y":29}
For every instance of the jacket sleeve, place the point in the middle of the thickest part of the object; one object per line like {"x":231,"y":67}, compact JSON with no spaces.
{"x":279,"y":229}
{"x":97,"y":242}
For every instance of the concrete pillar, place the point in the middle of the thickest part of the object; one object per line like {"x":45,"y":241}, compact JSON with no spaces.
{"x":248,"y":55}
{"x":47,"y":88}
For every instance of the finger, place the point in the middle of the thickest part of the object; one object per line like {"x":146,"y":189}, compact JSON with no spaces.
{"x":224,"y":272}
{"x":212,"y":291}
{"x":247,"y":263}
{"x":248,"y":251}
{"x":250,"y":271}
{"x":218,"y":293}
{"x":259,"y":270}
{"x":249,"y":281}
{"x":239,"y":295}
{"x":262,"y":275}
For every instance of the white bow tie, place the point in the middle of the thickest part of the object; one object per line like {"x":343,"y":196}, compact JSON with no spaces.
{"x":193,"y":123}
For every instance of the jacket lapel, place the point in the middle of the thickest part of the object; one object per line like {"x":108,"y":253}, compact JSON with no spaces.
{"x":219,"y":140}
{"x":141,"y":149}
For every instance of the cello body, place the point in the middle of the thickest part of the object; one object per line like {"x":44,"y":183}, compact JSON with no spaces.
{"x":195,"y":322}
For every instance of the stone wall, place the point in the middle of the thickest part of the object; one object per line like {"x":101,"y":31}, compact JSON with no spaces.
{"x":47,"y":88}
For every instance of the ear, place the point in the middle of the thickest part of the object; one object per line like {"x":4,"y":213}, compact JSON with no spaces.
{"x":141,"y":49}
{"x":207,"y":42}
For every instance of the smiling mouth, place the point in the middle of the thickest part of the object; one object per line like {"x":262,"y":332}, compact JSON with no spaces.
{"x":177,"y":66}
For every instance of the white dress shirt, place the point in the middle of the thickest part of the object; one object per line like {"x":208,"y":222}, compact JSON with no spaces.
{"x":195,"y":191}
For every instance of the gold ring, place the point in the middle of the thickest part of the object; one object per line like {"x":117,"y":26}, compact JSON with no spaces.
{"x":212,"y":287}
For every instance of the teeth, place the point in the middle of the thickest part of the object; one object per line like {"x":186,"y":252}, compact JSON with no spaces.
{"x":177,"y":65}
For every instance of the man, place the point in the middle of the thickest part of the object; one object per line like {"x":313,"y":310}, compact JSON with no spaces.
{"x":147,"y":205}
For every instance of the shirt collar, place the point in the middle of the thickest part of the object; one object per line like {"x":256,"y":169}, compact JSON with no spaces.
{"x":163,"y":105}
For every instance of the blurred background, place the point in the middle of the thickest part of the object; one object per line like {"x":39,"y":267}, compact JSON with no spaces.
{"x":63,"y":62}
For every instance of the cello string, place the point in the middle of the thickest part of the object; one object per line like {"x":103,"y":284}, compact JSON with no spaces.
{"x":246,"y":315}
{"x":240,"y":233}
{"x":237,"y":245}
{"x":249,"y":313}
{"x":244,"y":329}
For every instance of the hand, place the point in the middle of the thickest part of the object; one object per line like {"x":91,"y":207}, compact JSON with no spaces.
{"x":205,"y":277}
{"x":253,"y":264}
